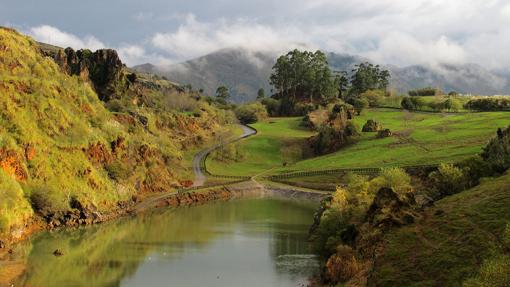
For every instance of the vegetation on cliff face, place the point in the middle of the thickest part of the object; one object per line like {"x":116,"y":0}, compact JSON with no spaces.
{"x":66,"y":154}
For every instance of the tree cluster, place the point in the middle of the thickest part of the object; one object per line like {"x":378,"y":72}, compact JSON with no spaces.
{"x":424,"y":92}
{"x":367,"y":76}
{"x":303,"y":76}
{"x":488,"y":104}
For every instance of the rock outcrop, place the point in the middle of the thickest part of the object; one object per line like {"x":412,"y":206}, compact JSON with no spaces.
{"x":103,"y":68}
{"x":384,"y":133}
{"x":371,"y":126}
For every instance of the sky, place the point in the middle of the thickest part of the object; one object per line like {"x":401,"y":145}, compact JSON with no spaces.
{"x":398,"y":32}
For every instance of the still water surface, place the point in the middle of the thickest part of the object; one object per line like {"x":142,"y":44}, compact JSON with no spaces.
{"x":245,"y":242}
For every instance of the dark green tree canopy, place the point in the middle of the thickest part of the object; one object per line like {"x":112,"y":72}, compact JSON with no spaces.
{"x":223,"y":93}
{"x":303,"y":76}
{"x":367,"y":76}
{"x":261,"y":94}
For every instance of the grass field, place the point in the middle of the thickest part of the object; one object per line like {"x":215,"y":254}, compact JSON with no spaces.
{"x":278,"y":140}
{"x":455,"y":236}
{"x":420,"y":138}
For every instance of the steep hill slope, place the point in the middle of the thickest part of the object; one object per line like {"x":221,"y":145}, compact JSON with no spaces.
{"x":455,"y":235}
{"x":69,"y":157}
{"x":245,"y":72}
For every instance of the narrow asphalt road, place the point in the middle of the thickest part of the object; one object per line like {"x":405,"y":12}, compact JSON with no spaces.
{"x":200,"y":177}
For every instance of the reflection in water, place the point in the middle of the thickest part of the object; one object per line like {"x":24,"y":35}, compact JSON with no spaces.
{"x":248,"y":242}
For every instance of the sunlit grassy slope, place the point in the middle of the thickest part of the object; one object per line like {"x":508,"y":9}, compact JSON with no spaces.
{"x":419,"y":138}
{"x":278,"y":141}
{"x":450,"y":242}
{"x":61,"y":148}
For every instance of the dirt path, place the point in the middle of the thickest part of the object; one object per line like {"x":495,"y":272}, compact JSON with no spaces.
{"x":200,"y":157}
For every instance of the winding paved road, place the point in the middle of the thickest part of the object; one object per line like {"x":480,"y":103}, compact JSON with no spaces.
{"x":200,"y":177}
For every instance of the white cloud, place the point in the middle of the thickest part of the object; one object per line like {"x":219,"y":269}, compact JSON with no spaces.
{"x":133,"y":55}
{"x":505,"y":12}
{"x":401,"y":32}
{"x":403,"y":49}
{"x":194,"y":38}
{"x":51,"y":35}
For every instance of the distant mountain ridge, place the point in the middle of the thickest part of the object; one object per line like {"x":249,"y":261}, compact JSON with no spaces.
{"x":244,"y":72}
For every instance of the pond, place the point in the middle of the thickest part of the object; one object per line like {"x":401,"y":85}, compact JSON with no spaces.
{"x":243,"y":242}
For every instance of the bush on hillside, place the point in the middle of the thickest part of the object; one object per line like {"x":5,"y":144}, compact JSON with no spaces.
{"x":343,"y":265}
{"x":449,"y":179}
{"x":497,"y":151}
{"x":412,"y":103}
{"x":424,"y":92}
{"x":272,"y":106}
{"x":251,"y":113}
{"x":394,"y":178}
{"x":47,"y":199}
{"x":374,"y":97}
{"x":488,"y":104}
{"x":330,"y":139}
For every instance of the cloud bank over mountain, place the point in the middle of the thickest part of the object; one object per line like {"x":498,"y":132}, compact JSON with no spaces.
{"x":397,"y":32}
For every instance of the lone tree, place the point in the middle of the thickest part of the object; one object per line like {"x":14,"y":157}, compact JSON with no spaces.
{"x":222,"y":93}
{"x":261,"y":94}
{"x":343,"y":83}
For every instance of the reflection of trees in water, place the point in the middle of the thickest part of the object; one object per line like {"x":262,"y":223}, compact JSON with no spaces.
{"x":290,"y":250}
{"x":103,"y":255}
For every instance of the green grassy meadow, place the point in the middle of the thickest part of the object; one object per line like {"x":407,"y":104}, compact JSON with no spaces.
{"x":419,"y":138}
{"x":278,"y":140}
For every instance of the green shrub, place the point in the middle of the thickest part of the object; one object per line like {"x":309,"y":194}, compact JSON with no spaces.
{"x":251,"y":113}
{"x":374,"y":97}
{"x":488,"y":104}
{"x":497,"y":151}
{"x":328,"y":234}
{"x":272,"y":106}
{"x":449,"y":179}
{"x":117,"y":170}
{"x":395,"y":178}
{"x":47,"y":199}
{"x":412,"y":103}
{"x":424,"y":92}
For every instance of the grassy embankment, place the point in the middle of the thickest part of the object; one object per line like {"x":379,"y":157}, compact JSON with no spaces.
{"x":451,"y":241}
{"x":420,"y":138}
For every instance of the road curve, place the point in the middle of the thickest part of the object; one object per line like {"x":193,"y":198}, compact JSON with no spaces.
{"x":200,"y":177}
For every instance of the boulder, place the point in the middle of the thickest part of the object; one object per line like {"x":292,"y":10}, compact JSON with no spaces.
{"x":58,"y":252}
{"x":384,"y":133}
{"x":371,"y":126}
